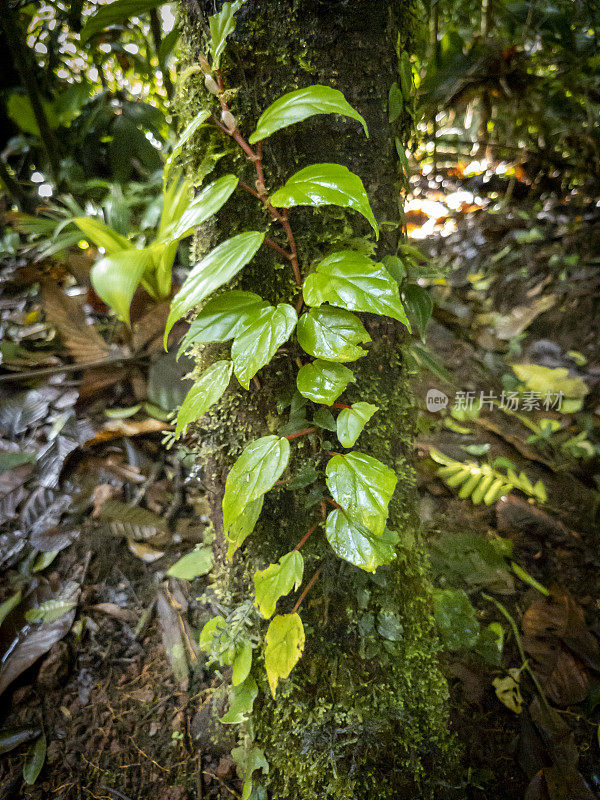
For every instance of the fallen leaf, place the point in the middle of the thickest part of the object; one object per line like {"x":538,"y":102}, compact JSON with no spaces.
{"x":65,"y":314}
{"x":144,"y":552}
{"x":508,"y":690}
{"x":115,"y":428}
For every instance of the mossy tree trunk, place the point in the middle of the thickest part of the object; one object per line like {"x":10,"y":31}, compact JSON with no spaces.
{"x":364,"y":713}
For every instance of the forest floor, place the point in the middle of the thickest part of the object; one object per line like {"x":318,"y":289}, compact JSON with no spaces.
{"x":95,"y":508}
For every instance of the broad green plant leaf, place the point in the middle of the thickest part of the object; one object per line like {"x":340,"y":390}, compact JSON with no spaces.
{"x":333,"y":334}
{"x":353,"y":281}
{"x":419,"y":305}
{"x":203,"y":206}
{"x":241,"y":700}
{"x":215,"y":269}
{"x":34,"y":762}
{"x":356,"y":544}
{"x":198,"y":562}
{"x":351,"y":421}
{"x":102,"y":235}
{"x":50,"y":611}
{"x":204,"y":393}
{"x":221,"y":25}
{"x":242,"y":663}
{"x":253,"y":474}
{"x":284,"y":646}
{"x":455,"y":618}
{"x":544,"y":380}
{"x":119,"y":11}
{"x":323,"y":381}
{"x":363,"y":487}
{"x":300,"y":104}
{"x":7,"y":606}
{"x":115,"y":278}
{"x":222,"y":318}
{"x":242,"y":526}
{"x":264,"y":330}
{"x":278,"y":580}
{"x":324,"y":185}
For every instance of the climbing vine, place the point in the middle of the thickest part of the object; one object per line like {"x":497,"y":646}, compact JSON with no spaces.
{"x":323,"y":322}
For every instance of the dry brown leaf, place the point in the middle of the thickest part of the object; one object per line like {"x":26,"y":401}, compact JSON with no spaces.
{"x":144,"y":552}
{"x":64,"y":313}
{"x":115,"y":428}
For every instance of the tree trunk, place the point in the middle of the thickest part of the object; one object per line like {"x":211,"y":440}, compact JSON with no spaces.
{"x":364,"y":713}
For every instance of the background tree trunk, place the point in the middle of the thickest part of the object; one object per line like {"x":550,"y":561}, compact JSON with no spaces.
{"x":364,"y":713}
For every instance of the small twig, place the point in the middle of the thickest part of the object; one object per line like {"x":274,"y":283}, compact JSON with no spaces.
{"x":279,"y":249}
{"x":39,"y":373}
{"x":307,"y":535}
{"x":306,"y":591}
{"x":303,"y":432}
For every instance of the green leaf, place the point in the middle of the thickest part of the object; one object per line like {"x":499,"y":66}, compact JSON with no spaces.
{"x":203,"y":206}
{"x":324,"y":419}
{"x":242,"y":526}
{"x":356,"y":544}
{"x":419,"y":304}
{"x":215,"y":269}
{"x":187,"y":133}
{"x":102,"y":236}
{"x":7,"y":606}
{"x":353,"y":281}
{"x":221,"y":25}
{"x":204,"y":393}
{"x":332,"y":333}
{"x":50,"y":611}
{"x":277,"y":580}
{"x":455,"y":618}
{"x":116,"y":277}
{"x":395,"y":103}
{"x":264,"y":330}
{"x":405,"y":73}
{"x":211,"y":633}
{"x":222,"y":318}
{"x":284,"y":646}
{"x":253,"y":474}
{"x":323,"y":185}
{"x":34,"y":762}
{"x":351,"y":421}
{"x":198,"y":562}
{"x":242,"y":663}
{"x":323,"y":381}
{"x":544,"y":380}
{"x":242,"y":699}
{"x":119,"y":11}
{"x":300,"y":104}
{"x":363,"y":487}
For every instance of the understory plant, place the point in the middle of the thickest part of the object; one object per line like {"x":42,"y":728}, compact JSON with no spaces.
{"x":320,"y":334}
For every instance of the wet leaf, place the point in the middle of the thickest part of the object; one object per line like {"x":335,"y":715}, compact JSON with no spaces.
{"x":323,"y":381}
{"x":351,"y":421}
{"x":242,"y":526}
{"x":357,"y":545}
{"x":259,"y":337}
{"x":222,"y":318}
{"x":325,"y":184}
{"x":300,"y":104}
{"x":332,"y":334}
{"x":284,"y":646}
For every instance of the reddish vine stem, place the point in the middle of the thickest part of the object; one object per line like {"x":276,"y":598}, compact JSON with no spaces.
{"x":309,"y":586}
{"x":303,"y":432}
{"x":332,"y":502}
{"x":307,"y":535}
{"x":340,"y":405}
{"x":261,"y":192}
{"x":279,"y":249}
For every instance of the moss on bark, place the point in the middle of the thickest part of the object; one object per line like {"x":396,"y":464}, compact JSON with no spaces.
{"x":364,"y":713}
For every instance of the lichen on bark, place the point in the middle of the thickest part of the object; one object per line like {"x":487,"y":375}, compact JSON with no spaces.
{"x":364,"y":713}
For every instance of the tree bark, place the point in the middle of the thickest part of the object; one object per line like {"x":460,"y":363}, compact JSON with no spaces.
{"x":364,"y":713}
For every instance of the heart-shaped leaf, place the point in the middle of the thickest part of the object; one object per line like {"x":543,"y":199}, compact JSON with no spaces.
{"x":363,"y":487}
{"x":204,"y":393}
{"x":323,"y":185}
{"x":222,"y":318}
{"x":264,"y":330}
{"x":278,"y":580}
{"x":351,"y":421}
{"x":203,"y":206}
{"x":356,"y":544}
{"x":253,"y":474}
{"x":215,"y":269}
{"x":351,"y":280}
{"x":198,"y":562}
{"x":323,"y":381}
{"x":332,"y":334}
{"x":115,"y":278}
{"x":285,"y":643}
{"x":242,"y":526}
{"x":221,"y":25}
{"x":300,"y":104}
